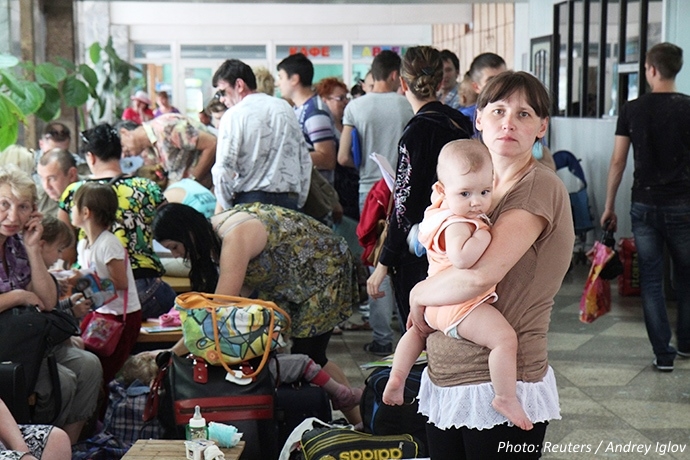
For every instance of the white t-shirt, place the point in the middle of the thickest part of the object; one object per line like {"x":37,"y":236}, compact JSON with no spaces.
{"x":95,"y":257}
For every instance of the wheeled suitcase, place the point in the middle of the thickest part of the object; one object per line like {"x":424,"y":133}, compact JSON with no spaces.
{"x":13,"y":390}
{"x":189,"y":381}
{"x":296,"y":402}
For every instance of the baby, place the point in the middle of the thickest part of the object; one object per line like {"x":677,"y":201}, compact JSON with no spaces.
{"x":455,"y":232}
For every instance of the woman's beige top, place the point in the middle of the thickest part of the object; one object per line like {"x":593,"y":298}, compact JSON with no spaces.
{"x":525,"y":295}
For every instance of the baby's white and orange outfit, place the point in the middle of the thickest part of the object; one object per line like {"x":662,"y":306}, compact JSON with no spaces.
{"x":437,"y":218}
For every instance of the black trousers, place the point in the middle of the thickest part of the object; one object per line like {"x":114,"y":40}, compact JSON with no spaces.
{"x":404,"y":278}
{"x":499,"y":442}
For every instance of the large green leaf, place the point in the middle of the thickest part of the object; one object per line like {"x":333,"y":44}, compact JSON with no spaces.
{"x":95,"y":52}
{"x":48,"y":73}
{"x":66,"y":64}
{"x":50,"y":109}
{"x":75,"y":92}
{"x":89,"y":75}
{"x":101,"y":104}
{"x":11,"y":81}
{"x":7,"y":61}
{"x":30,"y":96}
{"x":10,"y":117}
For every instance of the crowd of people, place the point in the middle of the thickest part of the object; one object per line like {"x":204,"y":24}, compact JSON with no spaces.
{"x":479,"y":230}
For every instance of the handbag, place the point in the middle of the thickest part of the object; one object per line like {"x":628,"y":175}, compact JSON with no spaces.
{"x":614,"y":267}
{"x":226,"y":330}
{"x":382,"y":232}
{"x":184,"y":382}
{"x":101,"y":333}
{"x":332,"y":442}
{"x":322,"y":197}
{"x":596,"y":297}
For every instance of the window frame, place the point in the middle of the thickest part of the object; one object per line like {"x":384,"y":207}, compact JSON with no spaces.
{"x":625,"y":69}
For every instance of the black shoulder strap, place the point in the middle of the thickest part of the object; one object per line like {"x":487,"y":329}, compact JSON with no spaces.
{"x":115,"y":179}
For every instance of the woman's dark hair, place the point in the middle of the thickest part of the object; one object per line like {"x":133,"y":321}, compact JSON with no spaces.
{"x":508,"y":83}
{"x":102,"y":141}
{"x":357,"y":89}
{"x":422,"y":70}
{"x":187,"y":226}
{"x":101,"y":199}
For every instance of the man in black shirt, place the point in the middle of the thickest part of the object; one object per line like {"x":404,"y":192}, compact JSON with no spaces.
{"x":656,"y":124}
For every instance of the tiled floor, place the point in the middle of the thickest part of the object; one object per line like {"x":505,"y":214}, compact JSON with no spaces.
{"x":611,"y":396}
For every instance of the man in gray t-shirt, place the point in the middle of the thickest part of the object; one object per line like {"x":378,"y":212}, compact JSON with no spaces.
{"x":380,"y":118}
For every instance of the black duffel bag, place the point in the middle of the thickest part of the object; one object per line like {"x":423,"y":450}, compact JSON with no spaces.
{"x":186,"y":382}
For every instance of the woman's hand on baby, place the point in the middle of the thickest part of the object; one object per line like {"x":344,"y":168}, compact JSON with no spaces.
{"x":374,"y":281}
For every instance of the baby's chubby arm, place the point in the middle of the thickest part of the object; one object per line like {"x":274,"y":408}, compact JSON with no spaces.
{"x":464,"y":245}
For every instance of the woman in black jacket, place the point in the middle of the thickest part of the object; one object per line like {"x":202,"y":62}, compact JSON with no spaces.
{"x":432,"y":127}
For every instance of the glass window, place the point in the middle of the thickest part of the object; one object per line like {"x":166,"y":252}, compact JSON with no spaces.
{"x":142,"y":51}
{"x":592,"y":93}
{"x":611,"y":87}
{"x":198,"y":89}
{"x":322,"y":71}
{"x":632,"y":32}
{"x":596,"y":78}
{"x":577,"y":55}
{"x":563,"y":77}
{"x":241,"y":52}
{"x":654,"y":23}
{"x":359,"y":71}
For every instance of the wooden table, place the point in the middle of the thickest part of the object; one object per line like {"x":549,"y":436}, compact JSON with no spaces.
{"x":157,"y":337}
{"x":163,"y":449}
{"x":178,"y":284}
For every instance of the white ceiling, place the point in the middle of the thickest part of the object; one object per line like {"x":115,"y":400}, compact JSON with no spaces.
{"x":367,"y":2}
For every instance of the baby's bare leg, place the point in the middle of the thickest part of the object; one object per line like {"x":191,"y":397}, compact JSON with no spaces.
{"x":407,"y":351}
{"x":487,"y":327}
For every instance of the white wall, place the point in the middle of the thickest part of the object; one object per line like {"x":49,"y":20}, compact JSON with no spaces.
{"x":591,"y":140}
{"x":676,"y":30}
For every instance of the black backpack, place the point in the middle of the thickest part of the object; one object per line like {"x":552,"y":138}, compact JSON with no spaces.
{"x":381,"y":419}
{"x":27,"y":336}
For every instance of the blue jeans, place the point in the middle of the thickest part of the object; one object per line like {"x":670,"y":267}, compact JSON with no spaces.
{"x":381,"y":309}
{"x":654,"y":227}
{"x":286,"y":200}
{"x":156,"y":297}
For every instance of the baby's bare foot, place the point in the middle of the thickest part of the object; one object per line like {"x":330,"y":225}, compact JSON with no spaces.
{"x":512,"y":410}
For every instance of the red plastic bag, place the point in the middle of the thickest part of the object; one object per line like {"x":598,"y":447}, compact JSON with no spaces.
{"x":596,"y":297}
{"x":629,"y":281}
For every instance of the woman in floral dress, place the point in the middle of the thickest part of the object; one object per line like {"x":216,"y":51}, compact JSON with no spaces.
{"x":271,"y":253}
